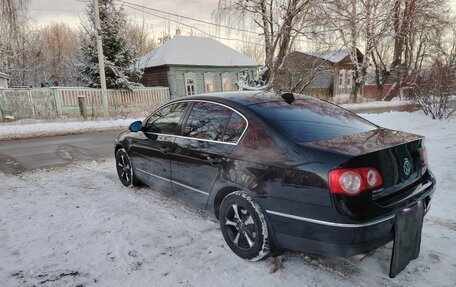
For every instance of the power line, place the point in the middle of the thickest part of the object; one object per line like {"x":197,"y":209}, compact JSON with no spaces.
{"x":211,"y":23}
{"x":204,"y":32}
{"x":193,"y":27}
{"x":56,"y":10}
{"x":189,"y":18}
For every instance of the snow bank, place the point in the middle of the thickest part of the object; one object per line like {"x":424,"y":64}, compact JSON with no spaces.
{"x":89,"y":230}
{"x":376,"y":104}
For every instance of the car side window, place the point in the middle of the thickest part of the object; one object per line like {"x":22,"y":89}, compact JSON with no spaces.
{"x":166,"y":120}
{"x":207,"y":121}
{"x":235,"y":128}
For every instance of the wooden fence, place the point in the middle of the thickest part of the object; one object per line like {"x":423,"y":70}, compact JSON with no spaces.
{"x":48,"y":103}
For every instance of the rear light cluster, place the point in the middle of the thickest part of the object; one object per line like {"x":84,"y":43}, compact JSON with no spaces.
{"x":353,"y":181}
{"x":424,"y":158}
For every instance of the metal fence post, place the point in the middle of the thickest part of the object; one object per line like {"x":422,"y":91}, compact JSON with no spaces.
{"x":32,"y":105}
{"x":82,"y":106}
{"x":2,"y":100}
{"x":58,"y":103}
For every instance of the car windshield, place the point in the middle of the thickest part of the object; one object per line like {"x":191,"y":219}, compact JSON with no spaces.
{"x":312,"y":119}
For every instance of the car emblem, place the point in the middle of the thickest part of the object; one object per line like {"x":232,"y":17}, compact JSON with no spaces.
{"x":407,"y":166}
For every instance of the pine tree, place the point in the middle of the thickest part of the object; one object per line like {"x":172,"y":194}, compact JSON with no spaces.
{"x":118,"y":53}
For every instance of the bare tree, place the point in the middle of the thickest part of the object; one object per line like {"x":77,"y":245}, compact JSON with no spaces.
{"x":12,"y":15}
{"x":416,"y":25}
{"x":10,"y":12}
{"x":360,"y":24}
{"x":252,"y":48}
{"x":141,"y":37}
{"x":59,"y":52}
{"x":278,"y":22}
{"x":436,"y":91}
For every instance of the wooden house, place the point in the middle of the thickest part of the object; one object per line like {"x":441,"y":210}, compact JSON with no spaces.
{"x":191,"y":65}
{"x":328,"y":74}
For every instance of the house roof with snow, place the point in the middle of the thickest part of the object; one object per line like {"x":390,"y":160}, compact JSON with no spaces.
{"x":334,"y":56}
{"x":195,"y":51}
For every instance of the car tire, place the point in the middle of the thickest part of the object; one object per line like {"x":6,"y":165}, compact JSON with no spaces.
{"x":244,"y":226}
{"x":125,"y":169}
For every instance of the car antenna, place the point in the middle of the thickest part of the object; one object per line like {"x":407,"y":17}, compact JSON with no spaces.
{"x":288,"y":97}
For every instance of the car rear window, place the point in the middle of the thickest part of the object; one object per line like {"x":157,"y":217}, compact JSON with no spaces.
{"x":312,"y":119}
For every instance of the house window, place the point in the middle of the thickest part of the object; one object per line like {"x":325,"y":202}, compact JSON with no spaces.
{"x":350,"y":78}
{"x":342,"y":78}
{"x":226,"y":82}
{"x":209,"y":82}
{"x":190,"y":84}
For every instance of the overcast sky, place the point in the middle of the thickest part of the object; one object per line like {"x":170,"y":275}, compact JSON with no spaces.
{"x":45,"y":12}
{"x":69,"y":11}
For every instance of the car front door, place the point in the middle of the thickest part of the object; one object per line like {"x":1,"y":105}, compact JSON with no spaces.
{"x":202,"y":152}
{"x":151,"y":148}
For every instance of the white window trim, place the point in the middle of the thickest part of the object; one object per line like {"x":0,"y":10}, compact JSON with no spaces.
{"x":209,"y":76}
{"x":342,"y":75}
{"x":191,"y":76}
{"x":226,"y":75}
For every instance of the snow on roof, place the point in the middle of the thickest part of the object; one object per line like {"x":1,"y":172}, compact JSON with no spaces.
{"x":332,"y":56}
{"x":194,"y":51}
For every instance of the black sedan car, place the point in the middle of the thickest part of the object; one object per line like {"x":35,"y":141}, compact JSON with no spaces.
{"x":280,"y":171}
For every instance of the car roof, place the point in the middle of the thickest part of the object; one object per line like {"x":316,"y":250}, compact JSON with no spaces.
{"x":244,"y":98}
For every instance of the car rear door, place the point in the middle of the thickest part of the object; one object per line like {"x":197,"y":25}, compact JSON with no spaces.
{"x":151,"y":148}
{"x":210,"y":133}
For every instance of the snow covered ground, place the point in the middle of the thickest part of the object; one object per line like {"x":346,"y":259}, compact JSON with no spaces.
{"x":18,"y":131}
{"x":376,"y":104}
{"x":78,"y":226}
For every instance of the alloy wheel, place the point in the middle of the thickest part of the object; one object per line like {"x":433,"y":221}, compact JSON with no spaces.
{"x":240,"y":227}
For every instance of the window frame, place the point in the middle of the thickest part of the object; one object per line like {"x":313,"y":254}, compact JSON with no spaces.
{"x":190,"y":76}
{"x":342,"y":76}
{"x":179,"y":123}
{"x":226,"y":75}
{"x":209,"y":76}
{"x":184,"y":119}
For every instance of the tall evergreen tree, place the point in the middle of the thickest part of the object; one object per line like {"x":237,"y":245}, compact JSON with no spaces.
{"x":119,"y":55}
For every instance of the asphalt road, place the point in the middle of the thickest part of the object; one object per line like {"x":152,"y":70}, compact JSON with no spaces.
{"x":19,"y":155}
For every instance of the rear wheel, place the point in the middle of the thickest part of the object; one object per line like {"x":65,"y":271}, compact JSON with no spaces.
{"x":124,"y":169}
{"x":244,"y":226}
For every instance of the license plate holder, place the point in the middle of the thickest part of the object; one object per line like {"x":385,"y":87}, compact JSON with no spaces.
{"x":407,"y":237}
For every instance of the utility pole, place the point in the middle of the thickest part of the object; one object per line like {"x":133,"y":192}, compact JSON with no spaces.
{"x":101,"y":60}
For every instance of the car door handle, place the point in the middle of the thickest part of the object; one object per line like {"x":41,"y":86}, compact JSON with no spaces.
{"x":165,"y":149}
{"x":214,"y":160}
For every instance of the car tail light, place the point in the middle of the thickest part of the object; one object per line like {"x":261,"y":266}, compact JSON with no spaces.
{"x":353,"y":181}
{"x":424,"y":158}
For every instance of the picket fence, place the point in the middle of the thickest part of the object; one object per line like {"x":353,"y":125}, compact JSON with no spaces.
{"x":49,"y":103}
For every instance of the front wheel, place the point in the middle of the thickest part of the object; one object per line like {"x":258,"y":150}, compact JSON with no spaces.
{"x":244,"y":226}
{"x":124,"y":169}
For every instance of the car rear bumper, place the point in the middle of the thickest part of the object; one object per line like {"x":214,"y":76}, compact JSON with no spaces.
{"x":332,"y":238}
{"x":327,"y":238}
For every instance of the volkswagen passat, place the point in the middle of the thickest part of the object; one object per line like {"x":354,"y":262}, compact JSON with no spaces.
{"x":279,"y":171}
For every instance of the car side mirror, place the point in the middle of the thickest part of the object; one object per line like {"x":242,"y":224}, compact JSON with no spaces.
{"x":135,"y":126}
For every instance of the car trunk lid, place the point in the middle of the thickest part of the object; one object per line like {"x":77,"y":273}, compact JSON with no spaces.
{"x":398,"y":156}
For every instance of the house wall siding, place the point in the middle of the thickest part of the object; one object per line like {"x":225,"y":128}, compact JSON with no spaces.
{"x":155,"y":76}
{"x":176,"y":78}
